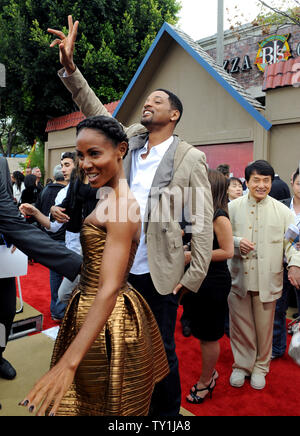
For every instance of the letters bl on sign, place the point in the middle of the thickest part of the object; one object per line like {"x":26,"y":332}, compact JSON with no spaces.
{"x":272,"y":49}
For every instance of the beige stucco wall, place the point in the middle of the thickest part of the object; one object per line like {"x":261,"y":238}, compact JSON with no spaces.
{"x":283,"y":105}
{"x":283,"y":110}
{"x":211,"y":115}
{"x":14,"y":163}
{"x":285,"y":149}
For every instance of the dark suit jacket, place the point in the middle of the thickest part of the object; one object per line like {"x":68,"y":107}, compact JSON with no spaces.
{"x":28,"y":238}
{"x":287,"y":201}
{"x":280,"y":189}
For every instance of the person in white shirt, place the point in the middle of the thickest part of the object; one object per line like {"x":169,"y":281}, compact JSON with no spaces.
{"x":71,"y":240}
{"x":259,"y":223}
{"x":18,"y":185}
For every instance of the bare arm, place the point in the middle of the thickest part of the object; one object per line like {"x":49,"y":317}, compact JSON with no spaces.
{"x":223,"y":231}
{"x":28,"y":209}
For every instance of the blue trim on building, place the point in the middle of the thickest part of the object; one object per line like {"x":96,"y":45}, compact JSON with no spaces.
{"x":198,"y":58}
{"x":18,"y":155}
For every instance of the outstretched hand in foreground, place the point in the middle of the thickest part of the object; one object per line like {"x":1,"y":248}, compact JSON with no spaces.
{"x":50,"y":389}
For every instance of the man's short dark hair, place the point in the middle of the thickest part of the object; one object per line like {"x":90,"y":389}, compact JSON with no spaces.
{"x":174,"y":102}
{"x":260,"y":167}
{"x":295,"y":175}
{"x":68,"y":155}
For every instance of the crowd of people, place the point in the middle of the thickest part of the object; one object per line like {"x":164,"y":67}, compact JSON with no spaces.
{"x":115,"y":353}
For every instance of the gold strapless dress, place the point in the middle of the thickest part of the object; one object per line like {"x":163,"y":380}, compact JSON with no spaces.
{"x":118,"y":373}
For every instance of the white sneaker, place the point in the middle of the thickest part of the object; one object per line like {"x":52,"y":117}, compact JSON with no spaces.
{"x":258,"y":381}
{"x":237,"y":378}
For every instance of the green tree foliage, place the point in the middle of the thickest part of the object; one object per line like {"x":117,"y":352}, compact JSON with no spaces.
{"x":113,"y":38}
{"x":35,"y":157}
{"x":11,"y":141}
{"x":277,"y":13}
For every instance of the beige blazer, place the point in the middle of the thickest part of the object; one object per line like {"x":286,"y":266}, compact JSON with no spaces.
{"x":182,"y":167}
{"x":273,"y":220}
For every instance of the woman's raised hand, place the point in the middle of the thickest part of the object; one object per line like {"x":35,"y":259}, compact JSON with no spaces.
{"x":66,"y":44}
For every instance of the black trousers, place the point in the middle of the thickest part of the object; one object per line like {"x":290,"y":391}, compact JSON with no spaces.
{"x":166,"y":398}
{"x":7,"y":305}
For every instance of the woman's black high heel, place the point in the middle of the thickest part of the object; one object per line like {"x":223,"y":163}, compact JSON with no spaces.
{"x":198,"y":400}
{"x":194,"y":389}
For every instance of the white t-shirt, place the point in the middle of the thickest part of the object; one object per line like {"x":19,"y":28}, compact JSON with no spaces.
{"x":297,"y":216}
{"x":141,"y":178}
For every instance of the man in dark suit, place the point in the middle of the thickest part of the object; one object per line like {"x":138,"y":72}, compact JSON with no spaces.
{"x":36,"y":244}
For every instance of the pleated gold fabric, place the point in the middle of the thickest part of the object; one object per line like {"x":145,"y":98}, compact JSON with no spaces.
{"x":118,"y":374}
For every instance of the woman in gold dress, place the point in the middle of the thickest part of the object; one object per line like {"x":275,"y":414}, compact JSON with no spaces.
{"x":108,"y":354}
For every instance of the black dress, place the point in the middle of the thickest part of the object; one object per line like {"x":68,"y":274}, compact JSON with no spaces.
{"x":206,"y":309}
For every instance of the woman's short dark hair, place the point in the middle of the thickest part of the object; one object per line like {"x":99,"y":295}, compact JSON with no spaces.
{"x":296,"y":174}
{"x":30,"y":181}
{"x":260,"y":167}
{"x":19,"y":178}
{"x":109,"y":126}
{"x":68,"y":155}
{"x":235,"y":179}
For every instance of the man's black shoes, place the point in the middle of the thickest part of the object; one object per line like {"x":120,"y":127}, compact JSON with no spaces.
{"x":6,"y":370}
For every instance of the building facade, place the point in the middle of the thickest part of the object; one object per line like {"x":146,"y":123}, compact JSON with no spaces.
{"x":230,"y":113}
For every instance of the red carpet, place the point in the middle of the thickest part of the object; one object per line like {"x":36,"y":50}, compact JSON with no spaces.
{"x":279,"y":398}
{"x":36,"y":292}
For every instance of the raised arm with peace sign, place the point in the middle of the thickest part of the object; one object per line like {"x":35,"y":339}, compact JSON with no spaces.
{"x":66,"y":44}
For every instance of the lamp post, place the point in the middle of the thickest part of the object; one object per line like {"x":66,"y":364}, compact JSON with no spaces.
{"x":2,"y":78}
{"x":220,"y":37}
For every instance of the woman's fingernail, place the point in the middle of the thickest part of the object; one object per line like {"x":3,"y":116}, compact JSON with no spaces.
{"x":25,"y":403}
{"x":31,"y":408}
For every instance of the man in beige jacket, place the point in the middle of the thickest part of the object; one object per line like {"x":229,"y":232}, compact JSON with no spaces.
{"x":159,"y":167}
{"x":259,"y":224}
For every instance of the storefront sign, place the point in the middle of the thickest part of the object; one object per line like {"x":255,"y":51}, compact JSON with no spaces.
{"x":273,"y":49}
{"x":233,"y":66}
